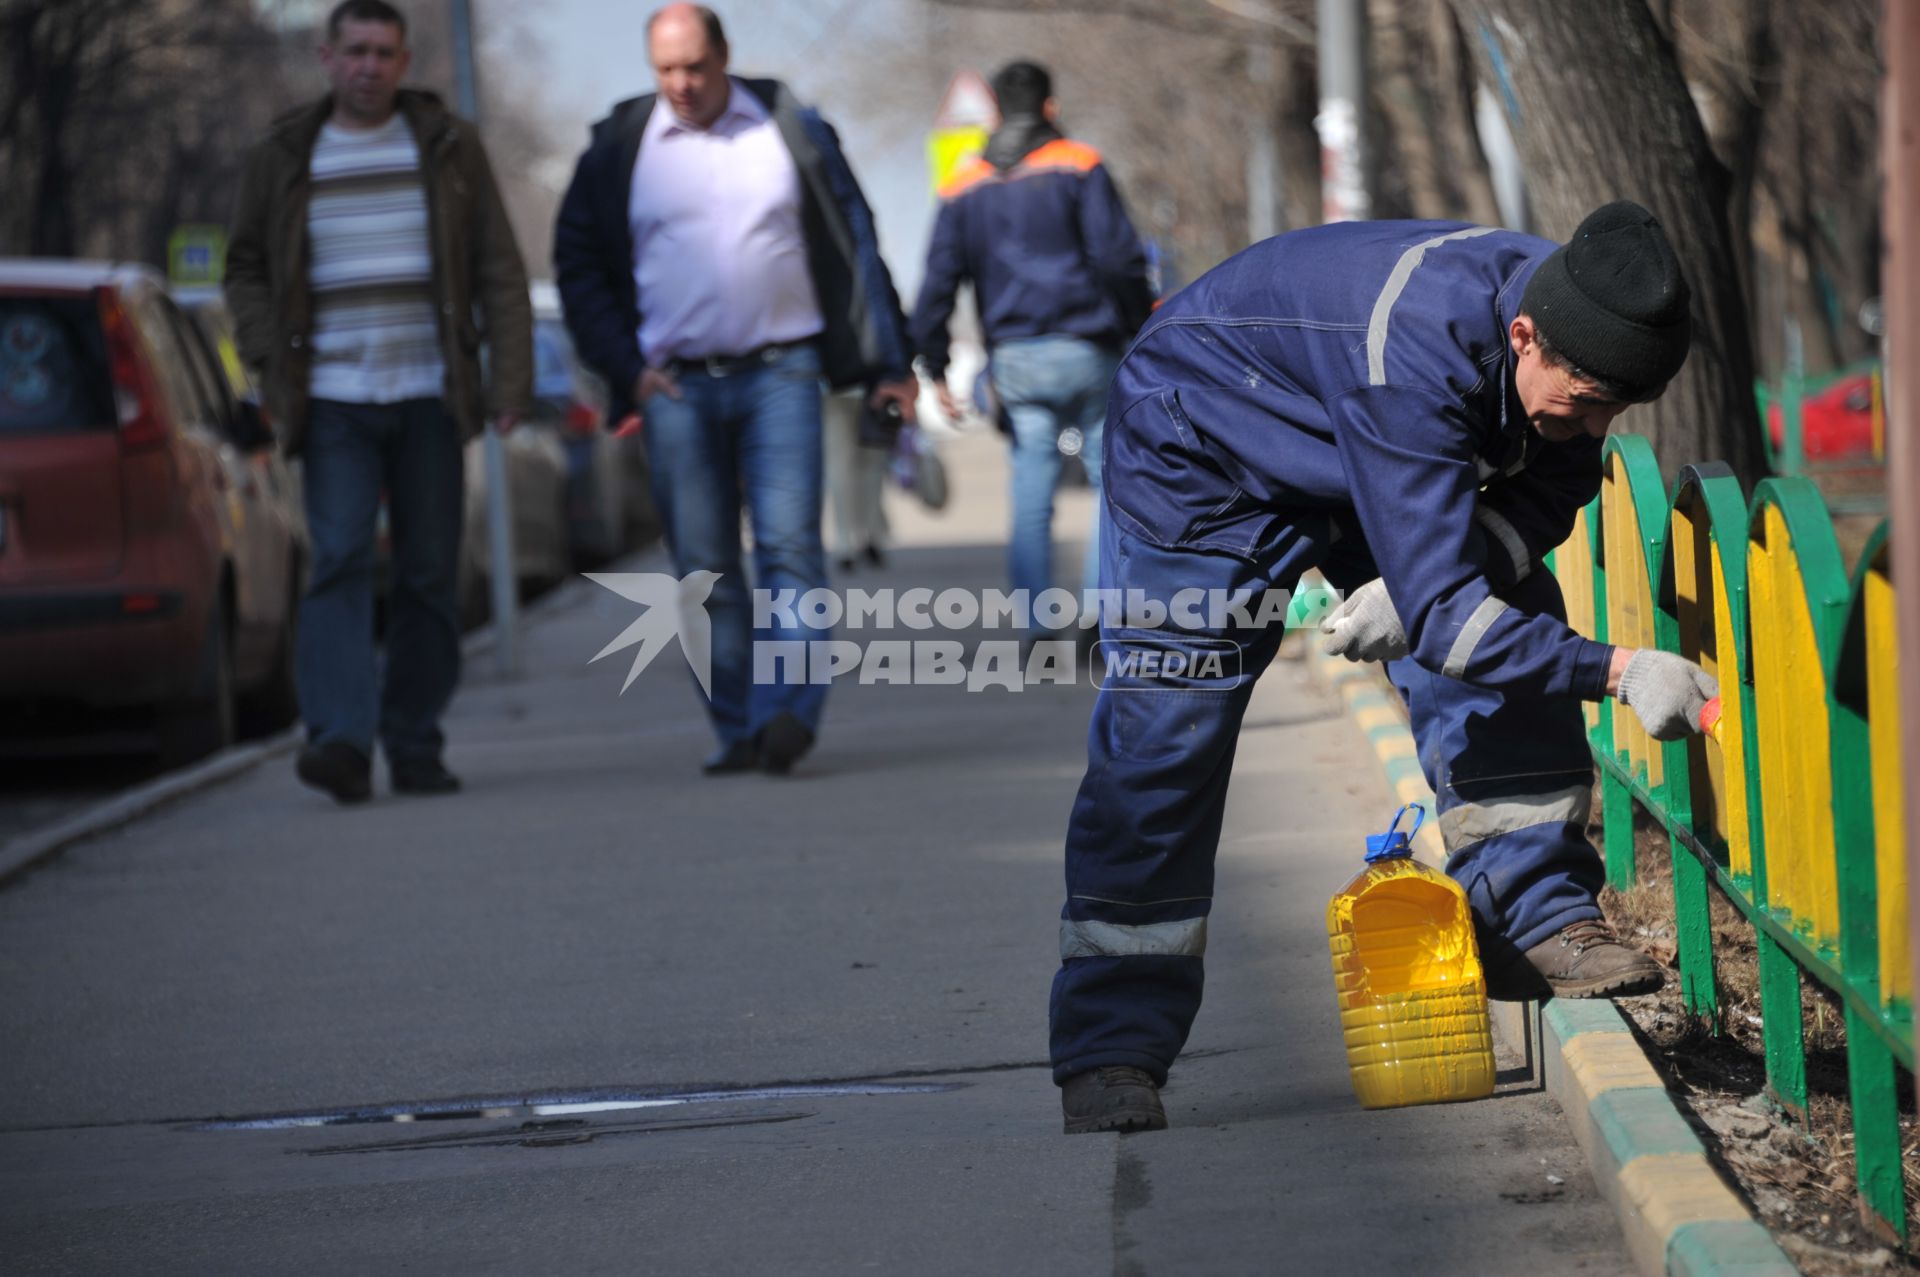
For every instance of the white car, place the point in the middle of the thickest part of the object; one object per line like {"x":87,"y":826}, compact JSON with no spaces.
{"x":537,"y":486}
{"x":610,"y":506}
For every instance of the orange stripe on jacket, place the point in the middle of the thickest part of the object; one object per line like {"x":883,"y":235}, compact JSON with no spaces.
{"x":970,"y":173}
{"x":1062,"y":153}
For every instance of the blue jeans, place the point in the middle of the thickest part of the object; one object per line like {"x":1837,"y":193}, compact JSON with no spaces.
{"x":411,"y":450}
{"x":754,"y":434}
{"x":1047,"y":385}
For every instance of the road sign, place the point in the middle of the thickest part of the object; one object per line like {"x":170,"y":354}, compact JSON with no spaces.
{"x":196,"y":254}
{"x":967,"y":101}
{"x":961,"y":123}
{"x":947,"y":149}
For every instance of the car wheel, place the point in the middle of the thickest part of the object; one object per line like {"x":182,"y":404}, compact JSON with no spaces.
{"x":610,"y":507}
{"x":276,"y":702}
{"x":202,"y":724}
{"x":642,"y":522}
{"x":476,"y":599}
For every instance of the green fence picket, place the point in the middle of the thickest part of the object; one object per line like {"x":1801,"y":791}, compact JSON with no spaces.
{"x":1778,"y":810}
{"x":1870,"y":1063}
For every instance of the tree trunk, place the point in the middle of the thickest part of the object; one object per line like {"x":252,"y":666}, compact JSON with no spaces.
{"x":1452,"y":72}
{"x":1602,"y":113}
{"x":1430,"y":156}
{"x":1413,"y":155}
{"x":167,"y":197}
{"x":1726,"y":52}
{"x":1296,"y":98}
{"x":51,"y":228}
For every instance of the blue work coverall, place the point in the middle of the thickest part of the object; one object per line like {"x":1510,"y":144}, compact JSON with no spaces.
{"x":1340,"y":397}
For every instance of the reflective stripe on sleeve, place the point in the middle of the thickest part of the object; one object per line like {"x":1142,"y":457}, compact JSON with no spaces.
{"x":1507,"y":535}
{"x":1082,"y":939}
{"x":1470,"y":635}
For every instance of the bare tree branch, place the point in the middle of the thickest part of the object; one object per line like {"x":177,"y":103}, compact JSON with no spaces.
{"x":1233,"y":20}
{"x":113,"y":101}
{"x":1263,"y":14}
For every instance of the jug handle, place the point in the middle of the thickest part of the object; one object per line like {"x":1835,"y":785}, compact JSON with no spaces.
{"x":1419,"y":811}
{"x":1394,"y":844}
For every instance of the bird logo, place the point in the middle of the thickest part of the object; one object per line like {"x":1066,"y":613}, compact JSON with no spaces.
{"x":675,"y":607}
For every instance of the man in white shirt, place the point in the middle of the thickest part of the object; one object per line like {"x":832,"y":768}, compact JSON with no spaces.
{"x":717,"y":263}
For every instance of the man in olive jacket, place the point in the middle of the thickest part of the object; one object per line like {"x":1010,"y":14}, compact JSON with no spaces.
{"x":369,"y":257}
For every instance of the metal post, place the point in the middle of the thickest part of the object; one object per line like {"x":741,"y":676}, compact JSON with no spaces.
{"x":1263,"y":151}
{"x":466,"y":93}
{"x":501,"y":575}
{"x":1346,"y":191}
{"x":1503,"y":160}
{"x":1900,"y":287}
{"x":1793,"y":397}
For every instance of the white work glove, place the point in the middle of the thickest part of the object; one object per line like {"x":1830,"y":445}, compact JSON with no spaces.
{"x":1365,"y":626}
{"x":1667,"y":692}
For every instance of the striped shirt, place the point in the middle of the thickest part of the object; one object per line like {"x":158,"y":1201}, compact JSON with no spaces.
{"x":375,"y":337}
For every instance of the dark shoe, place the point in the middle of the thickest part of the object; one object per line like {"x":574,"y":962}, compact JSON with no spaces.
{"x":876,"y":556}
{"x":422,"y":776}
{"x":741,"y":756}
{"x":847,"y":563}
{"x":1117,"y":1097}
{"x":337,"y":768}
{"x":1516,"y":981}
{"x":1587,"y":960}
{"x":782,"y":741}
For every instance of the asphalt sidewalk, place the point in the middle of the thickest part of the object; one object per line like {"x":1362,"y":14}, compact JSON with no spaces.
{"x":856,"y":957}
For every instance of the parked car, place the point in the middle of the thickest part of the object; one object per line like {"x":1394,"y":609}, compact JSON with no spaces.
{"x":609,"y":503}
{"x":150,"y":545}
{"x":1840,"y":416}
{"x":279,"y":488}
{"x":537,"y":482}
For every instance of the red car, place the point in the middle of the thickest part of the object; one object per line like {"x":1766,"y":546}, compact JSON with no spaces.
{"x":1840,"y":418}
{"x":151,"y":544}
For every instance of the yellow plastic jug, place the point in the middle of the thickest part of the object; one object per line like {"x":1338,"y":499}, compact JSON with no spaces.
{"x":1413,"y":997}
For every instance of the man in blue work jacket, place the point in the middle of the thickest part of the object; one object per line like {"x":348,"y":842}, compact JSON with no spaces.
{"x":1060,"y":278}
{"x":1416,"y":408}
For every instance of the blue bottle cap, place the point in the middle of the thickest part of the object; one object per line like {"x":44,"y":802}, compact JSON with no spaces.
{"x":1396,"y":841}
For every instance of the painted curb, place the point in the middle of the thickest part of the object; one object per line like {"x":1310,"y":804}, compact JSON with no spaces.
{"x":25,"y":851}
{"x":1679,"y":1217}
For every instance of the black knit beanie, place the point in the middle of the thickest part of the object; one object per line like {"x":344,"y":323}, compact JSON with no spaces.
{"x":1613,"y":301}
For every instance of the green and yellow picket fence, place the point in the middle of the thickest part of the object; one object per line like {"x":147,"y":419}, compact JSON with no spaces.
{"x":1793,"y":808}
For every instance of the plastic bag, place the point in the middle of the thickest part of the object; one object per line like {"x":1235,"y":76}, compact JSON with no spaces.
{"x":916,"y":467}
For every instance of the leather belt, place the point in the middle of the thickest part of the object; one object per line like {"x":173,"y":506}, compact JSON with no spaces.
{"x":730,"y":365}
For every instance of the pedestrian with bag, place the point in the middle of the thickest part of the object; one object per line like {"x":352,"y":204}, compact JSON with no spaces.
{"x":857,"y":449}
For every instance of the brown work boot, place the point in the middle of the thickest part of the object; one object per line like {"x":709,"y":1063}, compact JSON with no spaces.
{"x":1116,"y":1097}
{"x":1587,"y":960}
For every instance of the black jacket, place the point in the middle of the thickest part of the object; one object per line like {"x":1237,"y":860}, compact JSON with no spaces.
{"x":865,"y":336}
